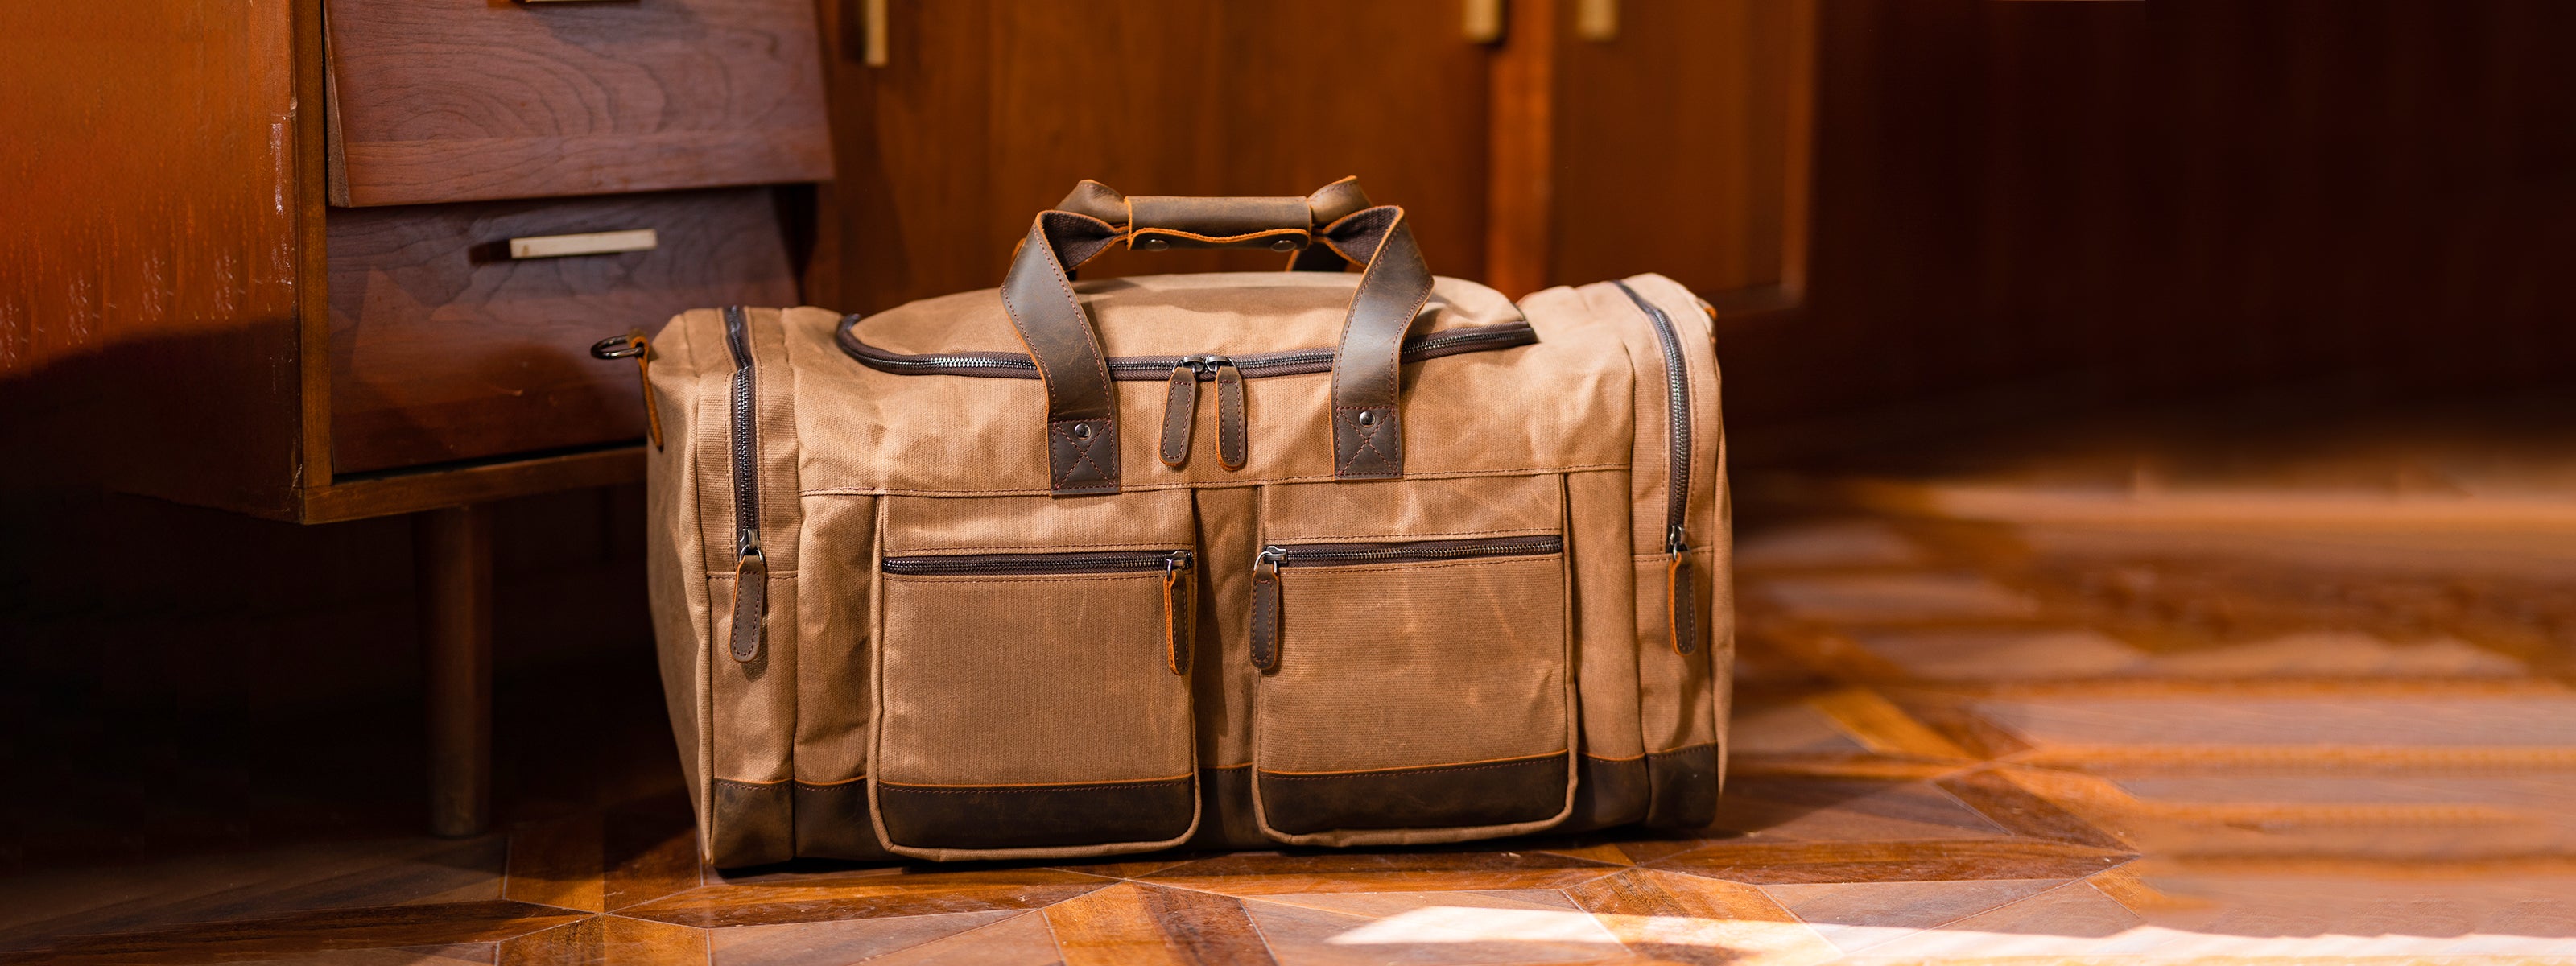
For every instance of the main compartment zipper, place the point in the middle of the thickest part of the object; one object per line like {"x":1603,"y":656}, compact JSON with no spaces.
{"x":1267,"y":564}
{"x":1179,"y":597}
{"x":751,"y":566}
{"x":1256,"y":365}
{"x":1681,"y":607}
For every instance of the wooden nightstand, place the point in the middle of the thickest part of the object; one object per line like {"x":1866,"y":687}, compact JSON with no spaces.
{"x":334,"y":259}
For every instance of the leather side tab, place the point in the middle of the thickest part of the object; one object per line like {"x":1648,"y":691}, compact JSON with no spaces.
{"x":1367,"y":444}
{"x":750,"y":604}
{"x":1180,"y":412}
{"x":1681,"y":604}
{"x":1233,"y":438}
{"x":1082,"y":435}
{"x":1265,"y":614}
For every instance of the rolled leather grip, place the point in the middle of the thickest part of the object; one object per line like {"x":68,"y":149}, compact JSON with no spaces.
{"x":1082,"y":411}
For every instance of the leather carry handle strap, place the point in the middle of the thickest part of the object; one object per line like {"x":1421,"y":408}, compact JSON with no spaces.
{"x":1082,"y":405}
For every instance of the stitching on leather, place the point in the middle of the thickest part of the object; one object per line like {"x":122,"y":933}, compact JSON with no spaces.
{"x":1081,"y":451}
{"x":1397,"y":772}
{"x":1365,"y":437}
{"x":819,"y":786}
{"x":741,"y":783}
{"x":1008,"y":789}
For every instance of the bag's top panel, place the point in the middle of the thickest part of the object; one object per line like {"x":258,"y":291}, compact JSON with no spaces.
{"x":1234,"y":313}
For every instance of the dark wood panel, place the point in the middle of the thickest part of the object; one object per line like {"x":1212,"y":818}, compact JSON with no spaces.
{"x":453,"y":100}
{"x":1680,"y":145}
{"x":148,"y":303}
{"x":2122,"y":201}
{"x":989,"y":111}
{"x":443,"y":348}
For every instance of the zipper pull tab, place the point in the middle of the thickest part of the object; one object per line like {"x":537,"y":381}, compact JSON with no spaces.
{"x":750,"y":595}
{"x":1180,"y":412}
{"x":1180,"y":628}
{"x":1265,"y":609}
{"x":1681,"y":595}
{"x":1233,"y":440}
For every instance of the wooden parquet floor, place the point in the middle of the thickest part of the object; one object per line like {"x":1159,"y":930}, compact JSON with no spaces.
{"x":2060,"y":704}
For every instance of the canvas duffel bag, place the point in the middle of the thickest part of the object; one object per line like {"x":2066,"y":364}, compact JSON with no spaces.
{"x":1078,"y":568}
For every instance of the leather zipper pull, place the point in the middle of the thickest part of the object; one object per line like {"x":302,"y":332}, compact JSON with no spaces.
{"x":1179,"y":599}
{"x":1232,"y":439}
{"x":750,"y":597}
{"x":1681,"y":595}
{"x":1265,"y":609}
{"x":1180,"y":410}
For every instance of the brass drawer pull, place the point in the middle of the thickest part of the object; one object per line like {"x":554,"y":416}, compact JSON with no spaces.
{"x":594,"y":243}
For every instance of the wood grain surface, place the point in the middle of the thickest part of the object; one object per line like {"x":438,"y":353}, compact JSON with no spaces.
{"x":991,"y":110}
{"x":443,"y":348}
{"x":458,"y":100}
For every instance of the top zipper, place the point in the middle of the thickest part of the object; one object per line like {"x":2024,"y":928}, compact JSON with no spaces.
{"x":1677,"y":395}
{"x":1482,"y":338}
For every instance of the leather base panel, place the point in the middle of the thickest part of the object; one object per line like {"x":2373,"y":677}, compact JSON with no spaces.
{"x":1684,"y":783}
{"x":1226,"y":821}
{"x":754,"y":823}
{"x":1607,"y":792}
{"x":1037,"y":816}
{"x":1503,"y":793}
{"x":832,"y":823}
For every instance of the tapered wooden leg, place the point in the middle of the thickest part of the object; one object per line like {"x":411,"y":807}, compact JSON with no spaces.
{"x":453,"y":571}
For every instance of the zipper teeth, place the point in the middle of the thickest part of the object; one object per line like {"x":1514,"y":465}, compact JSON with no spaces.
{"x":1039,"y":563}
{"x":1531,"y":546}
{"x":746,"y":476}
{"x":1252,"y":365}
{"x":1677,"y":394}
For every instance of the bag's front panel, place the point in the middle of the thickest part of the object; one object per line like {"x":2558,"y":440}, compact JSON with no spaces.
{"x":1033,"y":675}
{"x":1416,"y":683}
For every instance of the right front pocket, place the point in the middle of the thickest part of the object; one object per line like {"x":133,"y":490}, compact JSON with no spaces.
{"x":1414,"y":690}
{"x":1036,"y":700}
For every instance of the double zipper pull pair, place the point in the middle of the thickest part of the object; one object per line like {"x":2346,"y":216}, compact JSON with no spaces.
{"x":1181,"y":408}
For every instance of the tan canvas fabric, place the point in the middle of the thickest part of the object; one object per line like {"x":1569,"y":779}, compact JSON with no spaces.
{"x":1502,"y":688}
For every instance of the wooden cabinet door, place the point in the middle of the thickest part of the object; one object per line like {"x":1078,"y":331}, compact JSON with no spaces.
{"x":988,"y":111}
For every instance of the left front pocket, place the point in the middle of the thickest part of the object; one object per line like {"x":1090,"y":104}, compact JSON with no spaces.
{"x":1035,"y":700}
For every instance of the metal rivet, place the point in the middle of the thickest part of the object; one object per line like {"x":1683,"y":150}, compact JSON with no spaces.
{"x":1156,"y":244}
{"x":1367,"y":418}
{"x":1284,"y":245}
{"x":1082,"y":430}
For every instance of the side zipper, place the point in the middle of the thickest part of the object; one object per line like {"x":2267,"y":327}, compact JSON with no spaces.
{"x":1178,"y":595}
{"x":1681,"y":593}
{"x":751,"y":566}
{"x":1266,"y":566}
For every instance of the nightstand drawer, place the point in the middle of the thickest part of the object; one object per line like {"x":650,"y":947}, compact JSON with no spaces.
{"x":463,"y":100}
{"x":446,"y":347}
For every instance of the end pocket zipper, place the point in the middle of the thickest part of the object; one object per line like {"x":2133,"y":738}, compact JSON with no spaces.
{"x":1265,"y":571}
{"x":751,"y":567}
{"x":1178,"y":595}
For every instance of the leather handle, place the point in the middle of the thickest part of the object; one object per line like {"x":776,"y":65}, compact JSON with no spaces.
{"x":1157,"y":222}
{"x":1082,"y":407}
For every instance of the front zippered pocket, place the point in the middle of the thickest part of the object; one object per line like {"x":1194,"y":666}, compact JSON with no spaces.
{"x":1033,"y":677}
{"x":1411,"y":690}
{"x":1681,"y":601}
{"x":751,"y":565}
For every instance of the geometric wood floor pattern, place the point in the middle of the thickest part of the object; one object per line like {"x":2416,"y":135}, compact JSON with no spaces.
{"x":1995,"y":718}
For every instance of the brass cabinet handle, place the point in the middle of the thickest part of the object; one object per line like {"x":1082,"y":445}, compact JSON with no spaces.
{"x":1596,"y":20}
{"x":1483,"y":23}
{"x":873,"y":16}
{"x":592,"y":243}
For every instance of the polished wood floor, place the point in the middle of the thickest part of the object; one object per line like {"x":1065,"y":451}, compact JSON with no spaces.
{"x":2149,"y":700}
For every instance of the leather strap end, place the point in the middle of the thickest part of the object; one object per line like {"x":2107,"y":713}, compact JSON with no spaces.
{"x":1233,"y":437}
{"x":1180,"y":413}
{"x":1368,"y":443}
{"x":1681,"y":605}
{"x":1082,"y":457}
{"x":1265,"y":618}
{"x":750,"y":605}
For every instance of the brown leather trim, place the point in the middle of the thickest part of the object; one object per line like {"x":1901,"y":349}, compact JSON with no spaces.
{"x":1037,"y":816}
{"x":1225,"y":809}
{"x":1180,"y":414}
{"x":1368,"y":432}
{"x":1275,"y":239}
{"x":1265,"y":615}
{"x":1219,"y":217}
{"x":750,"y":605}
{"x":832,"y":822}
{"x":1682,"y":788}
{"x":1607,"y":792}
{"x":1681,"y":605}
{"x":1233,"y":442}
{"x":1038,"y":296}
{"x":750,"y":823}
{"x":1443,"y":796}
